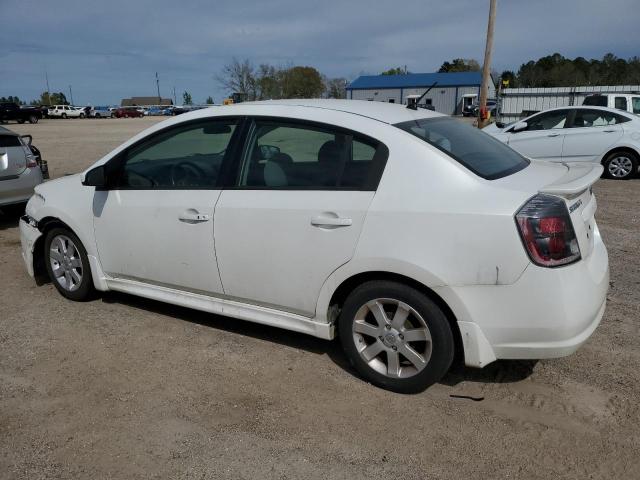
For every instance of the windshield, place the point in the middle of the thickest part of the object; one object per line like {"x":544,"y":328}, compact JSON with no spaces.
{"x":482,"y":154}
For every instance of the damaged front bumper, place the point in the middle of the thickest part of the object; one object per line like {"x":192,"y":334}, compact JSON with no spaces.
{"x":29,"y":234}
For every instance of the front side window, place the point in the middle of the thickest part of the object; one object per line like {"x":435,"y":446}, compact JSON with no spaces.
{"x":187,"y":156}
{"x":289,"y":155}
{"x":620,"y":103}
{"x":635,"y":105}
{"x":585,"y":118}
{"x":481,"y":153}
{"x":548,"y":121}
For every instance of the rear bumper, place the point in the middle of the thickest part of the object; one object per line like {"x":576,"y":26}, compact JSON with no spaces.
{"x":547,"y":313}
{"x":17,"y":190}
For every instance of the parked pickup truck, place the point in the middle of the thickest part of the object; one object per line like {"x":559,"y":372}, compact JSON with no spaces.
{"x":13,"y":111}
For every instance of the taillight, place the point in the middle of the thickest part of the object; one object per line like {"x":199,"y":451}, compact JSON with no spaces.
{"x":31,"y":159}
{"x":547,"y":231}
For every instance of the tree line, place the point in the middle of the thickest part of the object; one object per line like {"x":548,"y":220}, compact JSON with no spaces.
{"x":266,"y":81}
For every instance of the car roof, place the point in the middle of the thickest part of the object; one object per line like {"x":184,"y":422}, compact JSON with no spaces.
{"x":592,"y":107}
{"x":382,"y":111}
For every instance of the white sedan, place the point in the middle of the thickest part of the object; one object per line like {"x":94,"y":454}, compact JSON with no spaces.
{"x":578,"y":134}
{"x":406,"y":233}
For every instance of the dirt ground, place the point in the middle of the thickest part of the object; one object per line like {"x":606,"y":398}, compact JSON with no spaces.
{"x":127,"y":388}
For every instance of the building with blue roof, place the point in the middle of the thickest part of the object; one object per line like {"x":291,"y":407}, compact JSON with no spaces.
{"x":451,"y":93}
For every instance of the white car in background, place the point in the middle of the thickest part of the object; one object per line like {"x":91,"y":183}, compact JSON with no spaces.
{"x":66,"y":111}
{"x":407,"y":233}
{"x":578,"y":134}
{"x":628,"y":102}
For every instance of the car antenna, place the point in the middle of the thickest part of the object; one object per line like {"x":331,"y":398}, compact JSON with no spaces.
{"x":414,"y":105}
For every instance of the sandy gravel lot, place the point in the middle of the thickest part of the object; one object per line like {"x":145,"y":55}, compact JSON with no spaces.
{"x":127,"y":388}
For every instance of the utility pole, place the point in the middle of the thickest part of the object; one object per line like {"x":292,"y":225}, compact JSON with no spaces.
{"x":158,"y":87}
{"x":46,"y":77}
{"x":175,"y":102}
{"x":71,"y":94}
{"x":486,"y":67}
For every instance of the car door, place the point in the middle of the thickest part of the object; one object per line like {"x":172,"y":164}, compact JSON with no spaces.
{"x":543,"y":137}
{"x":294,"y":215}
{"x":155,"y":222}
{"x":591,"y":134}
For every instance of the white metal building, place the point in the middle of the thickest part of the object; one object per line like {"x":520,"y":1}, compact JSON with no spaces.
{"x":450,"y":93}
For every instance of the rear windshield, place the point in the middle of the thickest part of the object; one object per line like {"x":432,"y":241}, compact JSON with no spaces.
{"x":9,"y":141}
{"x":596,"y":101}
{"x":482,"y":154}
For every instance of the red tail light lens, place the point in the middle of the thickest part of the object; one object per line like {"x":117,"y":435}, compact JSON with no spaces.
{"x":547,"y":232}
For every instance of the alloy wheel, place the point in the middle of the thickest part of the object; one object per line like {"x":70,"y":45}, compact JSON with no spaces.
{"x":620,"y":166}
{"x":392,"y":338}
{"x":66,"y":263}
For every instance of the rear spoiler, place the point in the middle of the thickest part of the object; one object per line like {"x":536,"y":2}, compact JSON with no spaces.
{"x":579,"y":177}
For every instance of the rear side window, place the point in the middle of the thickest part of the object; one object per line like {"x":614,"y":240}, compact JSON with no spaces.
{"x":635,"y":104}
{"x":482,"y":154}
{"x":9,"y":141}
{"x":585,"y":118}
{"x":621,"y":103}
{"x":596,"y":101}
{"x":303,"y":156}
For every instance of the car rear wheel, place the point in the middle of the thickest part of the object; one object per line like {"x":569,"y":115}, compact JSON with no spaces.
{"x":82,"y":115}
{"x":620,"y":165}
{"x":64,"y":115}
{"x":67,"y":264}
{"x":33,"y":119}
{"x":395,"y":336}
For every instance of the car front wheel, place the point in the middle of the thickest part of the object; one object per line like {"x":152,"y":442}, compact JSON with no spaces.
{"x":395,"y":336}
{"x":620,"y":165}
{"x":67,"y":264}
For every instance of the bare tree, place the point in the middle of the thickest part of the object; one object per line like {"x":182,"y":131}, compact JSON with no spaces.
{"x":335,"y":87}
{"x":239,"y":76}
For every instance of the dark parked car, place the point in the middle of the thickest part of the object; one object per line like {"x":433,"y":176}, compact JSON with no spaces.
{"x":13,"y":111}
{"x":127,"y":112}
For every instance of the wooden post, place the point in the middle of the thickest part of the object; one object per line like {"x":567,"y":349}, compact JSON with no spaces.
{"x":486,"y":67}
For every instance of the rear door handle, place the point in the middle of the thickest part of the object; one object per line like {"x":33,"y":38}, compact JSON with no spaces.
{"x":191,"y":216}
{"x":331,"y":221}
{"x":608,"y":131}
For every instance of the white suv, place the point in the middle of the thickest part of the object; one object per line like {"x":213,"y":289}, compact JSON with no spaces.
{"x":407,"y":233}
{"x":65,"y":111}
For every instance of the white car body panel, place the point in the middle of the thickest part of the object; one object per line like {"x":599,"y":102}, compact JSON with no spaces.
{"x":149,"y":223}
{"x":430,"y":220}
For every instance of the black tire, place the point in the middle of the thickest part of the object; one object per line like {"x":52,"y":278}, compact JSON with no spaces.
{"x":614,"y":170}
{"x":85,"y":290}
{"x":33,"y":119}
{"x":441,"y":347}
{"x":82,"y":115}
{"x":64,"y":115}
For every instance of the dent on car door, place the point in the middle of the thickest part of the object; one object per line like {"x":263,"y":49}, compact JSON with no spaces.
{"x":299,"y":203}
{"x":543,"y":138}
{"x":155,"y":222}
{"x":591,"y":134}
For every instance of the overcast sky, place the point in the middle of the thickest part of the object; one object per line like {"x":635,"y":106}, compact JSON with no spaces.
{"x":110,"y":49}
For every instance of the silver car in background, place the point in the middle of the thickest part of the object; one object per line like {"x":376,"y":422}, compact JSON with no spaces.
{"x":20,"y":170}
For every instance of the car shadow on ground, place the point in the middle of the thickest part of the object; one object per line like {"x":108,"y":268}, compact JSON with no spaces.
{"x":10,"y":217}
{"x":503,"y":371}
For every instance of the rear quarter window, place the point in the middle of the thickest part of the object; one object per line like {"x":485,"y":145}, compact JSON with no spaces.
{"x":484,"y":155}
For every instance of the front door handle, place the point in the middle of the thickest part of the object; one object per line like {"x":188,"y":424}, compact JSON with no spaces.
{"x":331,"y":221}
{"x":192,"y":216}
{"x":553,"y":135}
{"x":608,"y":131}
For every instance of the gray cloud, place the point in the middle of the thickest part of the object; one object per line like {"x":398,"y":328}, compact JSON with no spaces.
{"x":110,"y":50}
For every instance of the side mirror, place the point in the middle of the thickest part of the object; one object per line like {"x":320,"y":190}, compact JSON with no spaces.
{"x":500,"y":124}
{"x":518,"y":127}
{"x":95,"y":177}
